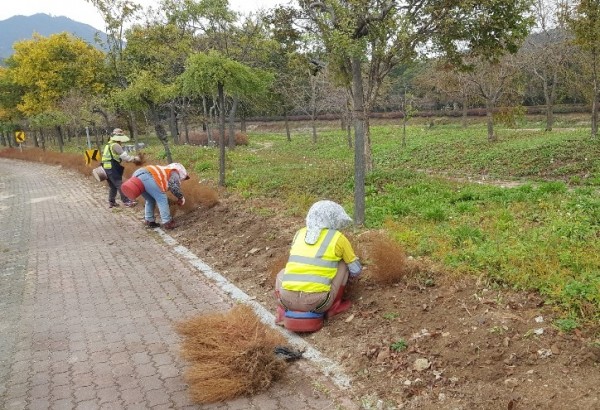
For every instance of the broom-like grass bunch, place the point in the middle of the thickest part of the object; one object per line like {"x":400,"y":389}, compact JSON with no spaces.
{"x":230,"y":354}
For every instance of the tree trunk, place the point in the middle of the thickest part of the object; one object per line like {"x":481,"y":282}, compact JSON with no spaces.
{"x":313,"y":108}
{"x":161,"y":133}
{"x":221,"y":134}
{"x":186,"y":127}
{"x":287,"y":126}
{"x":104,"y":115}
{"x":465,"y":112}
{"x":59,"y":136}
{"x":489,"y":114}
{"x":367,"y":147}
{"x":359,"y":143}
{"x":129,"y":118}
{"x":549,"y":98}
{"x":43,"y":139}
{"x":211,"y":120}
{"x":173,"y":127}
{"x":231,"y":124}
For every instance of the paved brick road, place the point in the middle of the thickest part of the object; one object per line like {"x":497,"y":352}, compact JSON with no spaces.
{"x":88,"y":298}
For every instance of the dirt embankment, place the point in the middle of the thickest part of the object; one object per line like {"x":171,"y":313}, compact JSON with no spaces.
{"x":429,"y":342}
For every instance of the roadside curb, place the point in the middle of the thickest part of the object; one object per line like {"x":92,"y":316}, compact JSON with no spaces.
{"x":326,"y":365}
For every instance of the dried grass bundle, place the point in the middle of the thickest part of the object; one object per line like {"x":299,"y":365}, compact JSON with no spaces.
{"x":388,"y":261}
{"x":231,"y":354}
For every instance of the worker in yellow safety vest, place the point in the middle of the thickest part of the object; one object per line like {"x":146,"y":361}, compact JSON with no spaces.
{"x":320,"y":264}
{"x":113,"y":155}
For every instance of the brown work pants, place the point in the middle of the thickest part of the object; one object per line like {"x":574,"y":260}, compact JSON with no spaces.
{"x":316,"y":301}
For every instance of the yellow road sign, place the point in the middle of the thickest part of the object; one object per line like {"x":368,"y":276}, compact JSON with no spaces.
{"x":92,"y":154}
{"x":20,"y":136}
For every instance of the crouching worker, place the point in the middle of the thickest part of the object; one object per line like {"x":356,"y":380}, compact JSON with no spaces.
{"x":153,"y":182}
{"x":321,"y":261}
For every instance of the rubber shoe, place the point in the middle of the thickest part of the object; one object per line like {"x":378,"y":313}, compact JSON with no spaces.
{"x":151,"y":224}
{"x":170,"y":225}
{"x":113,"y":205}
{"x":130,"y":204}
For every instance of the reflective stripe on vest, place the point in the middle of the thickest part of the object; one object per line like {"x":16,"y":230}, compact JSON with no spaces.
{"x":311,"y":268}
{"x":107,"y":156}
{"x":161,"y":176}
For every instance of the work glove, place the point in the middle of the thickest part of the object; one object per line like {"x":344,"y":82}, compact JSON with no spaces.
{"x":181,"y":201}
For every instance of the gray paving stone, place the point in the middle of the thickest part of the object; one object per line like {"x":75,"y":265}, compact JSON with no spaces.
{"x":88,"y":303}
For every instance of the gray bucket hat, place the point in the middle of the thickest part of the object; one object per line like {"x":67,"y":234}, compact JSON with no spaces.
{"x":324,"y":215}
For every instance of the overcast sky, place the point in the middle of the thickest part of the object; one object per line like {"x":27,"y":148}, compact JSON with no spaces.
{"x":84,"y":12}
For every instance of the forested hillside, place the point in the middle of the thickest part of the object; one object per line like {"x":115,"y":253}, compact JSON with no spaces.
{"x":19,"y":28}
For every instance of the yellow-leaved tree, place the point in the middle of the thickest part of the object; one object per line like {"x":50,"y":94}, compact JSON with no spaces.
{"x":48,"y":68}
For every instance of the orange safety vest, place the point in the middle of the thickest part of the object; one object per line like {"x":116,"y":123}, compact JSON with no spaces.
{"x":161,"y":175}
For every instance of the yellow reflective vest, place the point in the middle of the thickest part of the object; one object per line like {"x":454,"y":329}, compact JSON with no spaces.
{"x":311,"y":268}
{"x":108,"y":154}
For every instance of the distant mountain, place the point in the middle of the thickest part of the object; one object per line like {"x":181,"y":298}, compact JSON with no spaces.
{"x":19,"y":28}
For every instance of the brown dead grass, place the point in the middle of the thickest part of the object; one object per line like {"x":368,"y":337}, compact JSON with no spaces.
{"x":230,"y":354}
{"x":387,"y":260}
{"x":196,"y":193}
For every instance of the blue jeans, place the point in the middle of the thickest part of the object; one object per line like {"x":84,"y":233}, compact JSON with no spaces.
{"x":153,"y":197}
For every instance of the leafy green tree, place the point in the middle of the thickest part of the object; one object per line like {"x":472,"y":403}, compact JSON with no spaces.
{"x":212,"y":72}
{"x":367,"y":38}
{"x":117,"y":15}
{"x":159,"y":51}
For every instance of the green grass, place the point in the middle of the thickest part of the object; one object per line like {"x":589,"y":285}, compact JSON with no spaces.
{"x":541,"y":234}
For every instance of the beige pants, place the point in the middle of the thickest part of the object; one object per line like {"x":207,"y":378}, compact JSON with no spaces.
{"x":312,"y":302}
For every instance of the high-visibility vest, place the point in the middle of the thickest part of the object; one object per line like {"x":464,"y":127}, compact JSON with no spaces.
{"x":161,"y":176}
{"x":311,"y":268}
{"x":108,"y":154}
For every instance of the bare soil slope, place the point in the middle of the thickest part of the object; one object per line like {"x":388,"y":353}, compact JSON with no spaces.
{"x":468,"y":346}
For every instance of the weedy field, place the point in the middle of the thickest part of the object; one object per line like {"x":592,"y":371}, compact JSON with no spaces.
{"x":523,"y":211}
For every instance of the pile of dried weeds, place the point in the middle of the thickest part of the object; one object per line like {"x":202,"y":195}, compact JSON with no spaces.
{"x":387,"y":260}
{"x":196,"y":193}
{"x":230,"y":354}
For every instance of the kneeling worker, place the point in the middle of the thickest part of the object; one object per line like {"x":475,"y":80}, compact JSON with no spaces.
{"x":321,"y":261}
